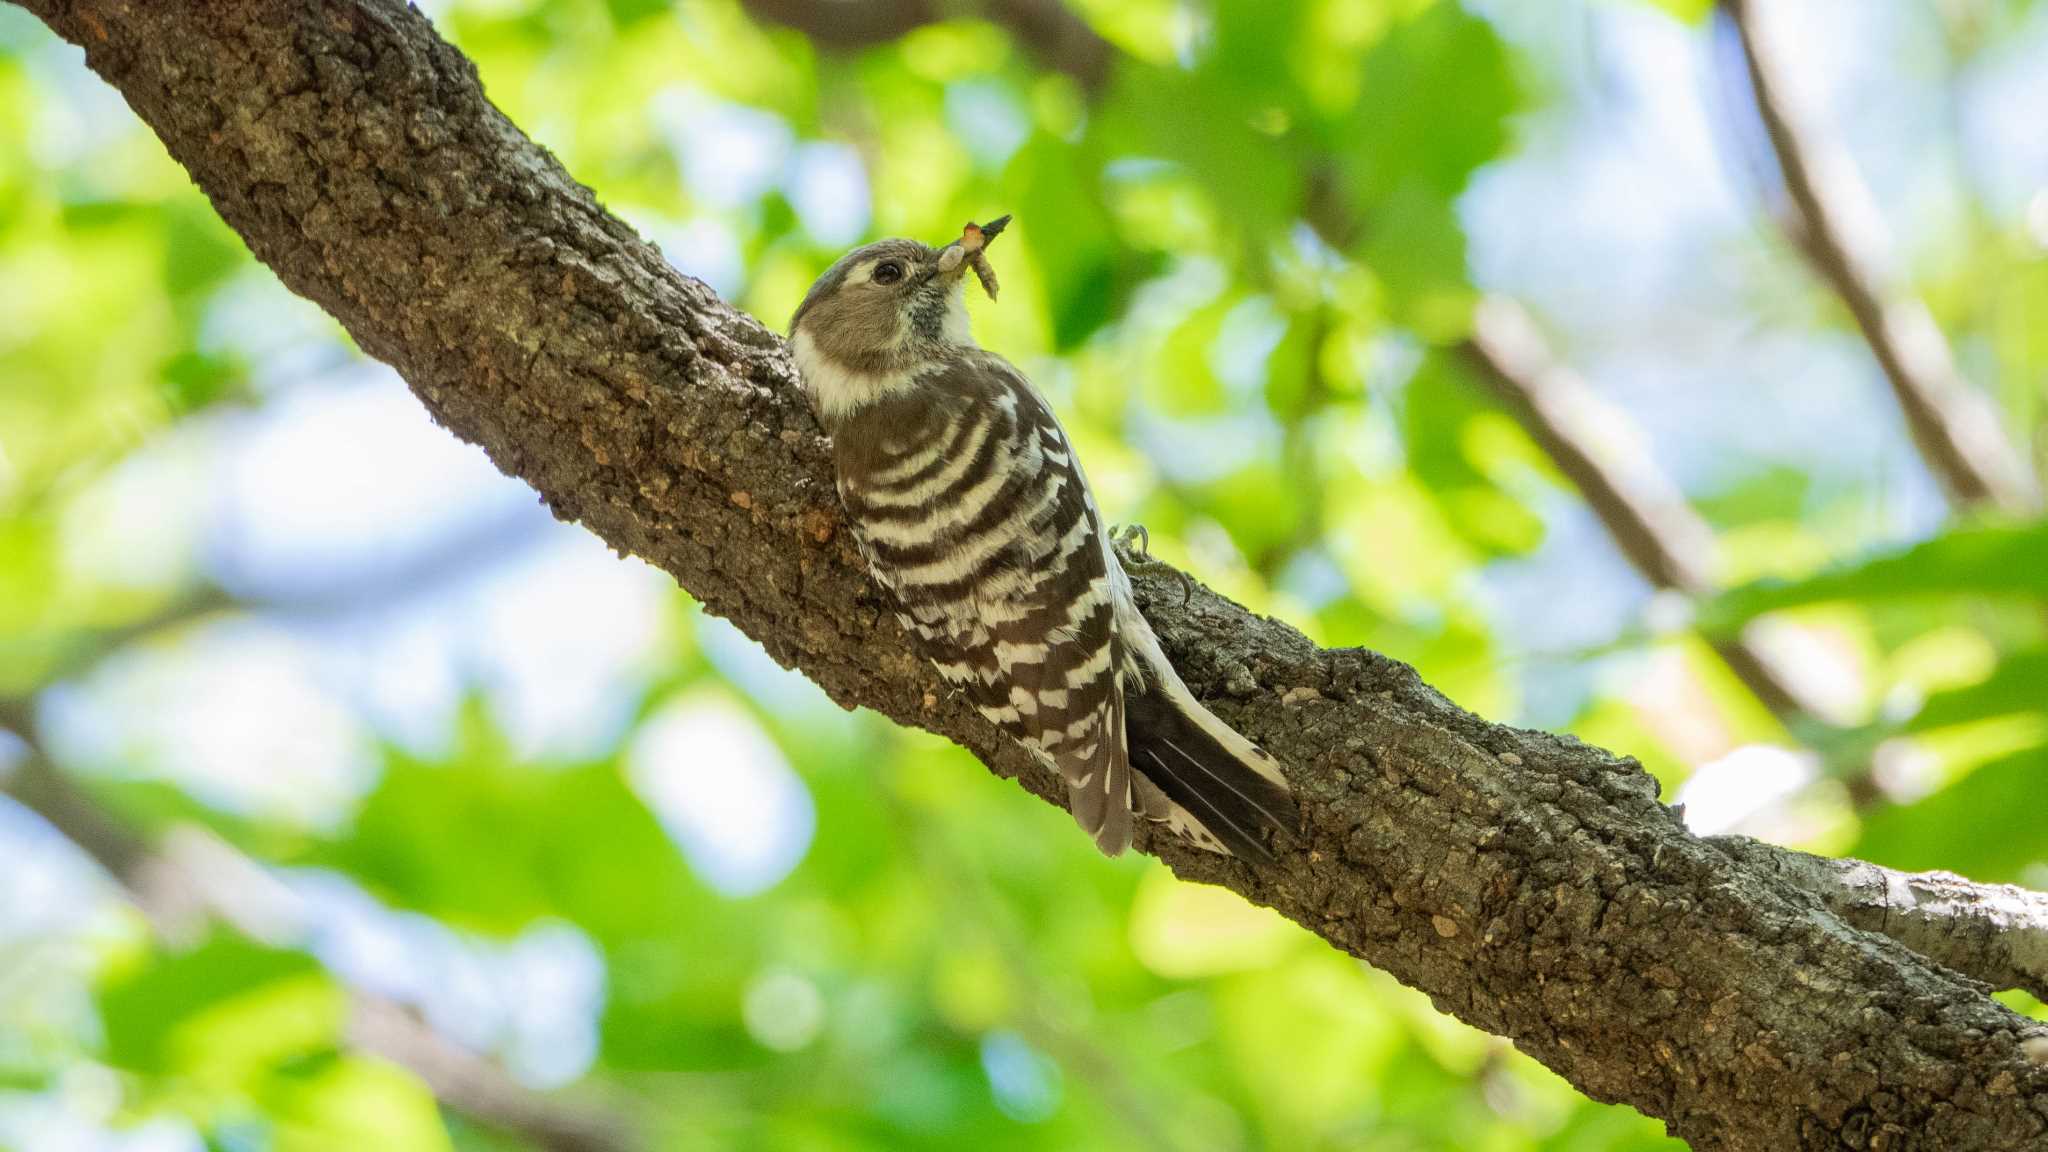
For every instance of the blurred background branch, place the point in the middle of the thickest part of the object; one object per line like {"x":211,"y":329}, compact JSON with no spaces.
{"x":1594,"y":445}
{"x":1835,"y":224}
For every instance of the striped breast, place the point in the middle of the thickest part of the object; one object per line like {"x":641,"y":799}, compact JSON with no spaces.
{"x":968,"y":505}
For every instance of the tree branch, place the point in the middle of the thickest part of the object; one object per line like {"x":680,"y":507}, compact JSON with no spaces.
{"x":1838,"y":230}
{"x":1532,"y":885}
{"x":1996,"y":933}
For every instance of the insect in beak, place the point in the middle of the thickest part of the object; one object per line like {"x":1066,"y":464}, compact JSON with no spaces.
{"x":971,"y":250}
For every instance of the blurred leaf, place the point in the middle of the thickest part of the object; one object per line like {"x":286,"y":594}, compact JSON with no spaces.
{"x":1182,"y":930}
{"x":200,"y":252}
{"x":1303,"y":1080}
{"x":484,"y":842}
{"x":1414,"y":243}
{"x":1294,"y":388}
{"x":1987,"y":825}
{"x":1069,"y":235}
{"x":1776,"y":493}
{"x":355,"y":1104}
{"x":1689,"y":11}
{"x":1251,"y":52}
{"x":1256,"y":504}
{"x":144,"y":1011}
{"x":1252,"y":176}
{"x":1978,"y":561}
{"x":626,"y":13}
{"x":281,"y":1028}
{"x":1450,"y":428}
{"x":1404,"y":130}
{"x":1185,"y":383}
{"x":195,"y":380}
{"x":2019,"y":683}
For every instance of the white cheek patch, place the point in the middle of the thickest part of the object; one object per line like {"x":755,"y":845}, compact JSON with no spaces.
{"x":955,"y":329}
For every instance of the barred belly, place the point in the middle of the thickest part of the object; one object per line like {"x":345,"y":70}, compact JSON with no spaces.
{"x":968,"y":506}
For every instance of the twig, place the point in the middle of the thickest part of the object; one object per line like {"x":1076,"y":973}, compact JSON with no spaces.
{"x":1836,"y":227}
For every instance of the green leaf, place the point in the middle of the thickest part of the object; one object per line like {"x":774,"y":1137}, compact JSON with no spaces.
{"x":195,"y":380}
{"x":144,"y":1011}
{"x":626,"y":13}
{"x":1253,"y":177}
{"x":1987,"y":825}
{"x":1766,"y":494}
{"x":1256,"y":504}
{"x":1185,"y":383}
{"x":1688,"y":11}
{"x":200,"y":252}
{"x":490,"y":844}
{"x":1434,"y":107}
{"x":1997,"y":561}
{"x":1415,"y":245}
{"x":353,"y":1104}
{"x":2018,"y":684}
{"x":1443,"y":410}
{"x":1071,"y":238}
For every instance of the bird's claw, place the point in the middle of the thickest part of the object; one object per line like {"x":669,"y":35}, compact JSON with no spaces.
{"x":1136,"y":543}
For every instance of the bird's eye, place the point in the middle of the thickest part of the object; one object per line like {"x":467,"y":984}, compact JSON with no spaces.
{"x":888,"y":272}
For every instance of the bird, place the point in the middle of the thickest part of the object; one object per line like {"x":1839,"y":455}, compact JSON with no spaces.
{"x":969,"y":505}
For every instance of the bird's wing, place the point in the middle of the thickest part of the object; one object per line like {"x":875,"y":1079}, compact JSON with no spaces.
{"x":995,"y":552}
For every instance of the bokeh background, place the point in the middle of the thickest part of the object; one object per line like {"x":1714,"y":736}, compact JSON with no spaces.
{"x":346,"y":779}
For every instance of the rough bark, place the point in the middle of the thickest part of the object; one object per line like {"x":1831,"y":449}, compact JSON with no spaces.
{"x":1997,"y":933}
{"x":1531,"y":885}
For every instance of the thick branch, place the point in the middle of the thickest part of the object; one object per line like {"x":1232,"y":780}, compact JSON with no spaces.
{"x":1532,"y":885}
{"x":1996,"y":933}
{"x":1606,"y":459}
{"x":195,"y":877}
{"x":1838,"y":229}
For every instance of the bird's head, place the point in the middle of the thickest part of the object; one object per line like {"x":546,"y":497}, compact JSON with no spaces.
{"x":886,"y":308}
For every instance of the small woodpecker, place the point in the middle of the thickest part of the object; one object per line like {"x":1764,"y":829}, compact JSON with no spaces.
{"x":968,"y":504}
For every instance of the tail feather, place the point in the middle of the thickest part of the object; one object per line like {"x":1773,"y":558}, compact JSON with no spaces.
{"x":1223,"y":781}
{"x":1099,"y":786}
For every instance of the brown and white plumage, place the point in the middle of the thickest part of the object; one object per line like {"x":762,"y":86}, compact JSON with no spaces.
{"x":969,"y":506}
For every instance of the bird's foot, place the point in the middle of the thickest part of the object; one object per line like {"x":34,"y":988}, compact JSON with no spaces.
{"x":1136,"y":545}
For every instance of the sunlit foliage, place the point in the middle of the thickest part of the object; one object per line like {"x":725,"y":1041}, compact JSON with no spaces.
{"x":528,"y":790}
